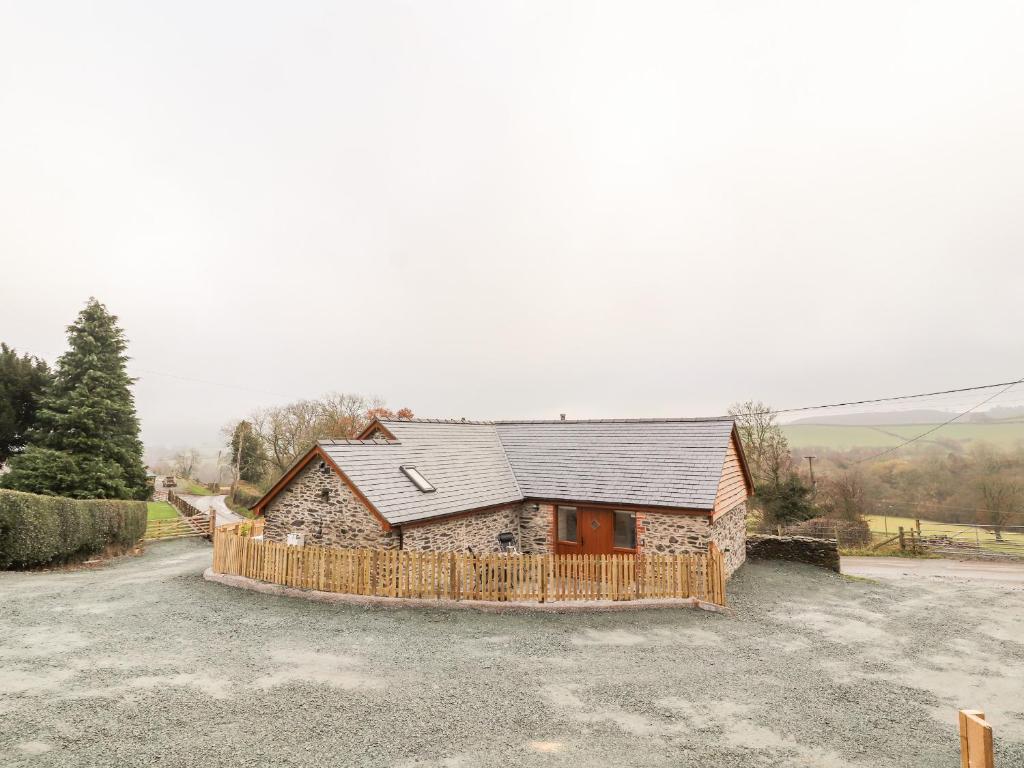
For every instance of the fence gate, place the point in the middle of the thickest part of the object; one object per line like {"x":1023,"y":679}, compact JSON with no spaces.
{"x":189,"y":522}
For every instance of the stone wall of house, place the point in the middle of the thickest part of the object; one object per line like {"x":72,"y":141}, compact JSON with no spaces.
{"x":478,"y":532}
{"x":536,"y":534}
{"x":801,"y":549}
{"x":671,"y":534}
{"x":320,"y":505}
{"x":729,"y":532}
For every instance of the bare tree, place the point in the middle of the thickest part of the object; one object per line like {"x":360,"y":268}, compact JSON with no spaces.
{"x":845,"y":496}
{"x":766,"y":448}
{"x":288,"y":431}
{"x":1001,"y":496}
{"x":185,"y":463}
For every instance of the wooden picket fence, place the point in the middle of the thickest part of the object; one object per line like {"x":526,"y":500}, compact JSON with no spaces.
{"x":455,"y":576}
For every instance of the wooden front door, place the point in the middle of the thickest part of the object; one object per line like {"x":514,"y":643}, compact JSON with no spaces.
{"x":592,"y":534}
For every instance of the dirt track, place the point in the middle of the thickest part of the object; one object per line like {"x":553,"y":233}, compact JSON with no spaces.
{"x":143,"y":663}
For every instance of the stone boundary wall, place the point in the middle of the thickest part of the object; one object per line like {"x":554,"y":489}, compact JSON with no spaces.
{"x":823,"y":553}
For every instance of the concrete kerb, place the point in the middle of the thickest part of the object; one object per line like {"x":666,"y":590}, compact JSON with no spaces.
{"x":486,"y":606}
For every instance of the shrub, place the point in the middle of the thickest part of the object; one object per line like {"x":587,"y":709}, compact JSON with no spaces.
{"x":247,"y":496}
{"x":42,"y":530}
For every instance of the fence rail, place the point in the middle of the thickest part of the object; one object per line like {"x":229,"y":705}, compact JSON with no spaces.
{"x":454,"y":576}
{"x":177,"y":527}
{"x":954,"y":539}
{"x":181,"y":505}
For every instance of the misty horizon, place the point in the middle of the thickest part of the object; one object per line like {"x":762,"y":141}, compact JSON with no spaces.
{"x":515,"y":212}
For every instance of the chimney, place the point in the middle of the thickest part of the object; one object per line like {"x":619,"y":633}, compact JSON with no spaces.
{"x":562,"y":415}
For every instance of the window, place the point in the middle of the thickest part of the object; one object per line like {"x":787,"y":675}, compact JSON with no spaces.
{"x":625,"y":530}
{"x":418,"y":479}
{"x":567,"y":524}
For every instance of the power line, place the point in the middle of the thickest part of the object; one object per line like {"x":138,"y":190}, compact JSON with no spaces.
{"x":1006,"y":384}
{"x":209,"y":383}
{"x":937,"y":427}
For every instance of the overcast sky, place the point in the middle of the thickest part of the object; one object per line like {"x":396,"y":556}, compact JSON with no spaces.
{"x":499,"y":210}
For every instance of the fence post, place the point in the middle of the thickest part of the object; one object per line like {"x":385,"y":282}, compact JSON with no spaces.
{"x":453,"y":579}
{"x":977,"y":744}
{"x":903,"y":543}
{"x":374,"y":554}
{"x":917,"y":524}
{"x":213,"y":524}
{"x":545,"y":563}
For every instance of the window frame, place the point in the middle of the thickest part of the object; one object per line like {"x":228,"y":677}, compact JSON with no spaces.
{"x":417,"y":478}
{"x":558,"y":538}
{"x":636,"y":539}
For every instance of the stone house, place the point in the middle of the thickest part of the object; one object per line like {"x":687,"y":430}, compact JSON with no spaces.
{"x":626,"y":486}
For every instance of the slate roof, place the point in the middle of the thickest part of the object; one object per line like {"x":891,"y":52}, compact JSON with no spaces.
{"x":464,"y":462}
{"x":673,"y":463}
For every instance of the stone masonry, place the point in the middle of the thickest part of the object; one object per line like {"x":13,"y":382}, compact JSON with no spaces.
{"x":320,"y":505}
{"x":671,"y":534}
{"x":729,"y":532}
{"x":800,"y":549}
{"x":536,"y":529}
{"x":476,"y":532}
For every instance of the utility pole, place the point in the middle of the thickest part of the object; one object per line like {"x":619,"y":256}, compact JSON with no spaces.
{"x":810,"y":466}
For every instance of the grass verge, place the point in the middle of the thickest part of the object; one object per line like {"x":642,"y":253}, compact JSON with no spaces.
{"x":160,"y":510}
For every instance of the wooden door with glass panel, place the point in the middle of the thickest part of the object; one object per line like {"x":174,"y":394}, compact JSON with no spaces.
{"x":594,"y":531}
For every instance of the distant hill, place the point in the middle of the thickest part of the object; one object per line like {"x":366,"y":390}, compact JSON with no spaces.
{"x":922,"y":416}
{"x":881,"y":418}
{"x":1004,"y":434}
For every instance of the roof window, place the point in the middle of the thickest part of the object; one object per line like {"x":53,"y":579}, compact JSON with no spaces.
{"x":418,"y":479}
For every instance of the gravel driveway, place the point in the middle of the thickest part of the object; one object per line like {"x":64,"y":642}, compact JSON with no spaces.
{"x":143,"y":663}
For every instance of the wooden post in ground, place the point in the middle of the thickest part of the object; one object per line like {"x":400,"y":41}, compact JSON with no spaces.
{"x":453,"y":576}
{"x":975,"y":740}
{"x":213,"y":524}
{"x":544,"y":564}
{"x":917,"y":524}
{"x":903,"y":543}
{"x":374,"y":557}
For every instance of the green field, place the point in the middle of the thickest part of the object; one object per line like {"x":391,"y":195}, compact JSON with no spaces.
{"x":195,"y":489}
{"x":843,"y":437}
{"x":882,"y":524}
{"x":160,"y":510}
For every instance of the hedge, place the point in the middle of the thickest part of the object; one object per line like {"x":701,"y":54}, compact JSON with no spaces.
{"x":42,"y":530}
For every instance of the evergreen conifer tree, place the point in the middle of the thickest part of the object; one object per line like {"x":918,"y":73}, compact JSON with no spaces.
{"x":247,"y":453}
{"x":85,"y":443}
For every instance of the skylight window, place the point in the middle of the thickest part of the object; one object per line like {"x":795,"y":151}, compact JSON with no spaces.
{"x":418,"y":479}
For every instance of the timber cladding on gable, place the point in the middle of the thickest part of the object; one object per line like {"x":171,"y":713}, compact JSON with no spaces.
{"x":733,"y":487}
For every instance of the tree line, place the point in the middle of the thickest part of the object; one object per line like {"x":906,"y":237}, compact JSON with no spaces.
{"x":261,"y":447}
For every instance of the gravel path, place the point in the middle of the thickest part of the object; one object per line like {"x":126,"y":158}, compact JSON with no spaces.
{"x":1004,"y":572}
{"x":143,"y":663}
